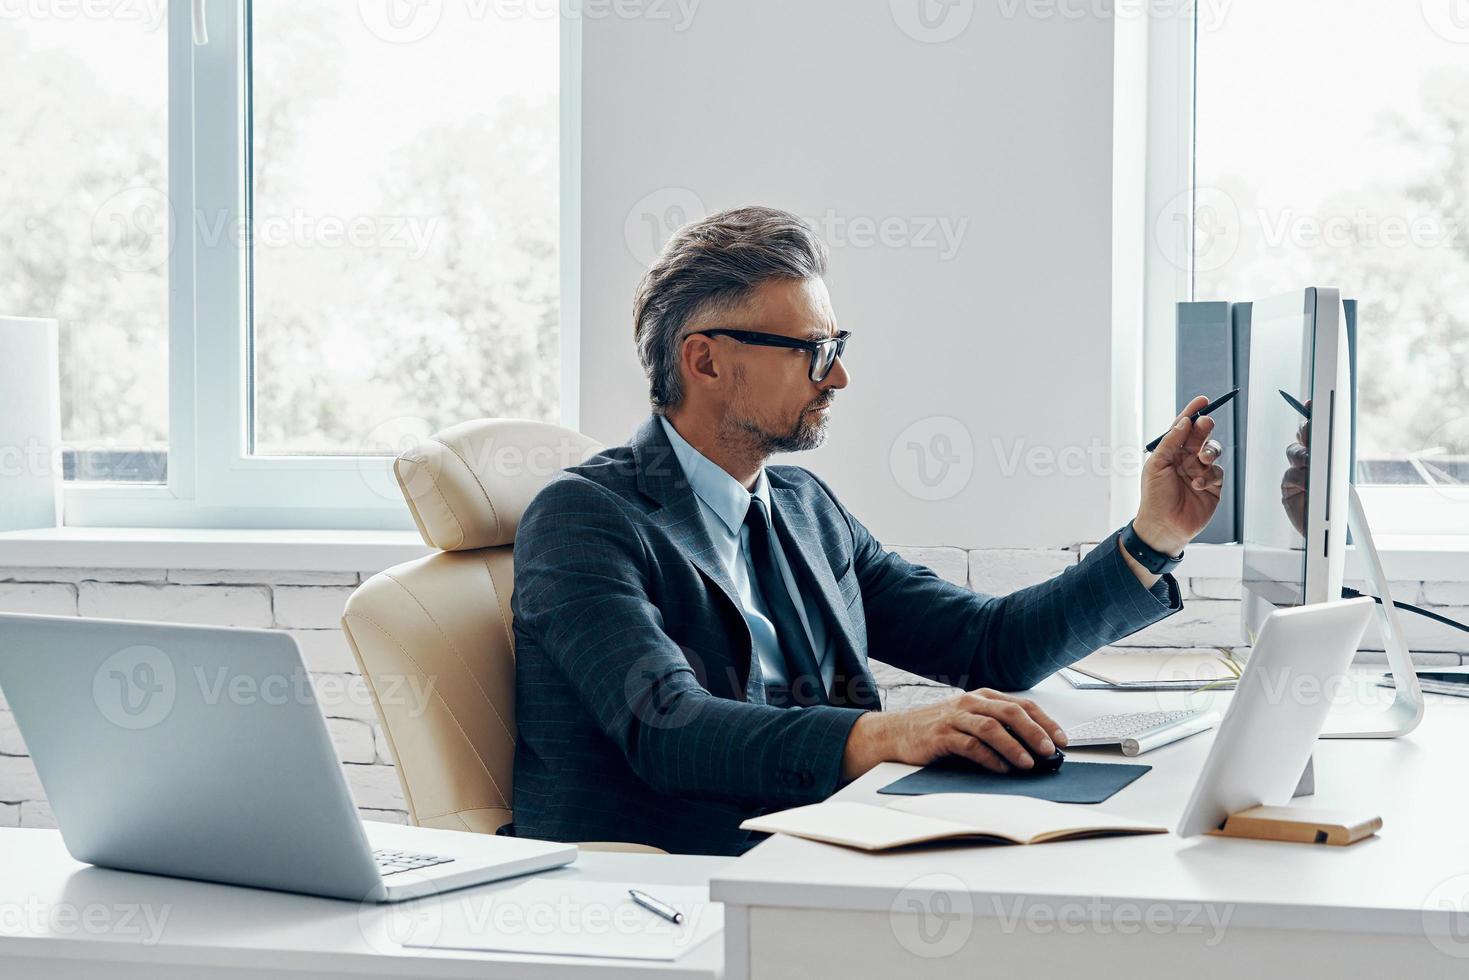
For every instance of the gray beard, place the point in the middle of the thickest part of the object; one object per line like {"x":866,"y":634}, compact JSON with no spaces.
{"x":808,"y":433}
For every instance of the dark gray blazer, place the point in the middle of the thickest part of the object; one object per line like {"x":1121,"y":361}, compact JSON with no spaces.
{"x":641,"y":712}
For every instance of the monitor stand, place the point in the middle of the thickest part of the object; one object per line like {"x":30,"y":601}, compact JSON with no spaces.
{"x":1406,"y":710}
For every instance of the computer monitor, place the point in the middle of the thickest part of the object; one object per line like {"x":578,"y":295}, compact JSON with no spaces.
{"x":1298,"y":498}
{"x":1297,"y":462}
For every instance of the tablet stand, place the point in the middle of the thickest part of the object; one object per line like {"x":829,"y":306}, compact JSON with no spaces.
{"x":1300,"y":825}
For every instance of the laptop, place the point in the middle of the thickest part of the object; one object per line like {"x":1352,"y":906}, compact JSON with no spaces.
{"x":201,"y":752}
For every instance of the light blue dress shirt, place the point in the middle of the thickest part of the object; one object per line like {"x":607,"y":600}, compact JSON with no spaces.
{"x":723,"y":503}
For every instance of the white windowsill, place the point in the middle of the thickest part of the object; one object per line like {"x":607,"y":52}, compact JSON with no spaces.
{"x":1405,"y":558}
{"x":210,"y":548}
{"x":1439,"y":558}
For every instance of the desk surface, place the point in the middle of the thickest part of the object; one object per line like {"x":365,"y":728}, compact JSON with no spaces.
{"x":55,"y":909}
{"x":1410,"y":878}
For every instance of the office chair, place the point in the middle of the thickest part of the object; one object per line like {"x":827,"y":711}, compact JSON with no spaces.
{"x":441,"y":624}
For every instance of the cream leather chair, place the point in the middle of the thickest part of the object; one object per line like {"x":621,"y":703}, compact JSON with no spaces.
{"x":432,"y":636}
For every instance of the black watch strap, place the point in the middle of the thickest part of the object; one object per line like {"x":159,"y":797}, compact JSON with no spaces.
{"x":1146,"y":555}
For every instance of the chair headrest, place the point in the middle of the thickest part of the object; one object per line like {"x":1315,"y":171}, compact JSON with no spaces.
{"x":469,"y":484}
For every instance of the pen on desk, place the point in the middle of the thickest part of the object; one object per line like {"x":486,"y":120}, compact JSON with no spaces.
{"x":1294,"y":404}
{"x":1208,"y":409}
{"x":656,"y":907}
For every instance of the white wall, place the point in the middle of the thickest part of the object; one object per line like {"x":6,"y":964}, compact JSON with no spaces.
{"x":829,"y":107}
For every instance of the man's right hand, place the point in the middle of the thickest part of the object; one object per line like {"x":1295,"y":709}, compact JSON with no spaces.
{"x":971,"y":725}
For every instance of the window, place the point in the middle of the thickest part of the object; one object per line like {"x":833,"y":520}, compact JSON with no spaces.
{"x":1330,"y":145}
{"x":85,"y":235}
{"x":403,"y":206}
{"x":293,"y":237}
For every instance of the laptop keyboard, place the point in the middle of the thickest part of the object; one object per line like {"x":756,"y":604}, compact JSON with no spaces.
{"x":390,"y":862}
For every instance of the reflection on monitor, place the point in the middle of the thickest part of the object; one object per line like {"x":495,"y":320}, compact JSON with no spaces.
{"x":1277,"y":457}
{"x":1297,"y":458}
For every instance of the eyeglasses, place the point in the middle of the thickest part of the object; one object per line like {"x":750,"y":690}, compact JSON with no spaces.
{"x":824,"y":353}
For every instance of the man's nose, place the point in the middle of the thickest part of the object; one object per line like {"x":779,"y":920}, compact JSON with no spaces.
{"x":837,"y":378}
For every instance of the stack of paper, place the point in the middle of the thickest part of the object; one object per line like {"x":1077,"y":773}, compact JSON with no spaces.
{"x":1151,"y":672}
{"x":1454,"y":683}
{"x":558,"y":916}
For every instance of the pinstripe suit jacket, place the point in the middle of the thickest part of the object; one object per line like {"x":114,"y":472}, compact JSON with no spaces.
{"x":641,"y":711}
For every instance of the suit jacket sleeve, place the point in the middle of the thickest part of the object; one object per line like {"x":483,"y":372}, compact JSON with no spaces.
{"x":925,"y":625}
{"x":582,"y":589}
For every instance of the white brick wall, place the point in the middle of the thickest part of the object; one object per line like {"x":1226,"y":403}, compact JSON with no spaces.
{"x":344,"y":696}
{"x":353,"y":740}
{"x":374,"y":787}
{"x":1201,"y":622}
{"x":193,"y":576}
{"x":1446,"y":593}
{"x":18,"y":780}
{"x":219,"y":605}
{"x":325,"y":651}
{"x":40,"y":598}
{"x":308,"y":606}
{"x":950,"y":564}
{"x":10,"y":741}
{"x":36,"y":813}
{"x":1000,"y":571}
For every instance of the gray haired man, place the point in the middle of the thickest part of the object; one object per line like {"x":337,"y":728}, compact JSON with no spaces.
{"x":693,"y":625}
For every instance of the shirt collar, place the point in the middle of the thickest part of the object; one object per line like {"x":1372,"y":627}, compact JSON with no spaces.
{"x":719,"y":491}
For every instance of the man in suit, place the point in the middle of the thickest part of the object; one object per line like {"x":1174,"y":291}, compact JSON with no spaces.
{"x":693,"y":626}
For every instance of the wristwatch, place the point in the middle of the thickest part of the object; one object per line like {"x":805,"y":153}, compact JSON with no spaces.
{"x":1147,"y":556}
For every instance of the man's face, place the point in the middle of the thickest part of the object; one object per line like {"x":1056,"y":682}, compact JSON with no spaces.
{"x":771,"y":395}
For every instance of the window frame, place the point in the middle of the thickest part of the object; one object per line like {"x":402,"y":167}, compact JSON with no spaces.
{"x":1167,"y":272}
{"x":211,"y":481}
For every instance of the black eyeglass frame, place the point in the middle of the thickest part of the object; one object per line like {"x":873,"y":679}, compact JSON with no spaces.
{"x":815,"y":348}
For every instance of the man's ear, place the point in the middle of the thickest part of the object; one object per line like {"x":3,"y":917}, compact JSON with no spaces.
{"x":698,"y":362}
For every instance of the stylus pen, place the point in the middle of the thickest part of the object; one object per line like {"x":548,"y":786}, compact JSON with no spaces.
{"x":1294,"y":404}
{"x":656,"y":907}
{"x":1208,"y":409}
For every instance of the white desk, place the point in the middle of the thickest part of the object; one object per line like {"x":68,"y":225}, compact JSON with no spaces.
{"x":62,"y":920}
{"x":1141,"y":907}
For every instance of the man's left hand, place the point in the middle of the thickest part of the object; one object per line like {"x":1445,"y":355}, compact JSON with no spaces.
{"x":1181,"y":483}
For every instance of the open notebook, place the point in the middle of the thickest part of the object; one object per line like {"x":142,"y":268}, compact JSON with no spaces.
{"x":945,"y":816}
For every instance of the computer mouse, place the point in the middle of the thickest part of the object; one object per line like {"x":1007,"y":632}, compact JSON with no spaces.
{"x":1044,"y":764}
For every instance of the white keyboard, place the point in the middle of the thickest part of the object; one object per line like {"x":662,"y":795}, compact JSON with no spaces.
{"x":390,"y":861}
{"x":1141,"y":731}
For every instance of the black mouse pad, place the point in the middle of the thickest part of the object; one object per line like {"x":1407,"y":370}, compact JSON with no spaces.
{"x":1074,"y":782}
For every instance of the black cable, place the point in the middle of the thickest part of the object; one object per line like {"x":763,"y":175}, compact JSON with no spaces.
{"x":1349,"y":593}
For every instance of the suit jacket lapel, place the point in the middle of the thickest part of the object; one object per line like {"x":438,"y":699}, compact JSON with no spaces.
{"x":661,"y":477}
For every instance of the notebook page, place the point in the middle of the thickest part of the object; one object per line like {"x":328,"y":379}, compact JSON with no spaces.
{"x":1019,"y":818}
{"x":855,"y":825}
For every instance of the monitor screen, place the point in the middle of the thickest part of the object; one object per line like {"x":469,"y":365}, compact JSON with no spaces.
{"x":1277,"y":471}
